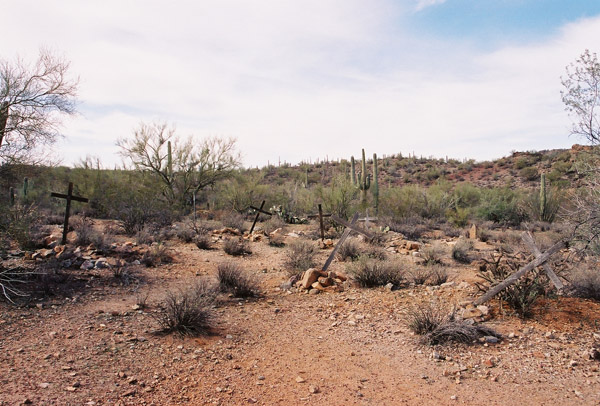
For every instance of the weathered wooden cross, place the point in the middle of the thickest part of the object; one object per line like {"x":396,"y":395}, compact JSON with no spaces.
{"x":320,"y":216}
{"x":69,"y":196}
{"x":259,"y":210}
{"x":540,"y":259}
{"x":351,"y":226}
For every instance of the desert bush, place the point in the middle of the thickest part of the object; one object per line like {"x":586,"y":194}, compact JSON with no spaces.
{"x":156,"y":254}
{"x":375,"y":253}
{"x":300,"y":257}
{"x":530,"y":173}
{"x":272,"y":224}
{"x":502,"y":205}
{"x":523,"y":294}
{"x":233,"y":279}
{"x":432,"y":254}
{"x":378,"y":239}
{"x":236,"y":247}
{"x":411,"y":227}
{"x":419,"y":275}
{"x":20,"y":223}
{"x":144,"y":236}
{"x":349,"y":250}
{"x":203,"y":241}
{"x":437,"y":275}
{"x":234,"y":220}
{"x":461,"y":250}
{"x":438,"y":326}
{"x":585,"y":282}
{"x":186,"y":234}
{"x":370,"y":273}
{"x":187,"y":312}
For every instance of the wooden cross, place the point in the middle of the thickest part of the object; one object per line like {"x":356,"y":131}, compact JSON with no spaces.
{"x":539,"y":260}
{"x":345,"y":235}
{"x":69,"y":196}
{"x":258,"y":211}
{"x":320,"y":216}
{"x":352,"y":226}
{"x":529,"y":241}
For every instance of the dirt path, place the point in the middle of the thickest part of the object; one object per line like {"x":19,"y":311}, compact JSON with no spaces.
{"x":285,"y":348}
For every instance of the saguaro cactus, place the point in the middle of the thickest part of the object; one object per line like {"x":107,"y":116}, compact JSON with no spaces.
{"x":352,"y":171}
{"x":169,"y":161}
{"x":543,"y":198}
{"x":375,"y":184}
{"x":364,"y":180}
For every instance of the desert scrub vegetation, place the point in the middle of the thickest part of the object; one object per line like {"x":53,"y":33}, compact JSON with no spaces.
{"x":277,"y":240}
{"x":520,"y":296}
{"x":432,"y":254}
{"x":585,"y":281}
{"x":189,"y":311}
{"x":349,"y":250}
{"x":233,"y":279}
{"x":236,"y":247}
{"x":203,"y":241}
{"x":157,"y":254}
{"x":461,"y":251}
{"x":300,"y":256}
{"x":436,"y":325}
{"x":370,"y":273}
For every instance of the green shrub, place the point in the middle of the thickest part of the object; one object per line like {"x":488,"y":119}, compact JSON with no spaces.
{"x":502,"y":205}
{"x":530,"y":173}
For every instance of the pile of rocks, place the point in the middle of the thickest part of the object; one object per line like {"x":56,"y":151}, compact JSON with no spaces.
{"x":404,"y":247}
{"x":314,"y":281}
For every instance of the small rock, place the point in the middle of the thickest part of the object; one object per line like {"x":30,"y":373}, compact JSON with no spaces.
{"x":453,"y":397}
{"x":299,"y":379}
{"x":573,"y":363}
{"x":491,"y":339}
{"x":43,"y":385}
{"x":313,"y":389}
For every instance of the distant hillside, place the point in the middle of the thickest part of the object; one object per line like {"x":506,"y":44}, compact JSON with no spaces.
{"x":520,"y":169}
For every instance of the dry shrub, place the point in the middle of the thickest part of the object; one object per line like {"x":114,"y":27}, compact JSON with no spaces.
{"x":438,"y":326}
{"x":233,"y":279}
{"x":203,"y":241}
{"x":419,"y":275}
{"x":432,"y":254}
{"x":300,"y":257}
{"x":236,"y":247}
{"x":370,"y":273}
{"x":585,"y":282}
{"x":186,"y":234}
{"x":272,"y":224}
{"x":234,"y":220}
{"x":349,"y":250}
{"x":157,"y":254}
{"x":460,"y":250}
{"x":438,"y":275}
{"x":144,"y":236}
{"x":187,"y":312}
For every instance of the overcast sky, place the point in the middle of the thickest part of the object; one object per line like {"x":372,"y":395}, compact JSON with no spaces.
{"x":306,"y":79}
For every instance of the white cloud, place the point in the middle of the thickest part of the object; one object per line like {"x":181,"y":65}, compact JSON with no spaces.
{"x":298,"y":80}
{"x":421,"y":4}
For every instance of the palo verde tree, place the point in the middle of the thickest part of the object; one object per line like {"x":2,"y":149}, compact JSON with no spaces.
{"x":182,"y":166}
{"x":581,"y":96}
{"x":33,"y":97}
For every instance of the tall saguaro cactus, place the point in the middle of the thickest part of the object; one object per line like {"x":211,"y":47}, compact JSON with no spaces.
{"x":543,"y":198}
{"x":169,"y":161}
{"x":364,"y":180}
{"x":352,"y":170}
{"x":375,"y":184}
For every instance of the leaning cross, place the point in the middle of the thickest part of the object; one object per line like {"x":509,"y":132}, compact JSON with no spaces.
{"x":320,"y":216}
{"x":529,"y":241}
{"x":349,"y":228}
{"x":258,"y":211}
{"x":69,"y":196}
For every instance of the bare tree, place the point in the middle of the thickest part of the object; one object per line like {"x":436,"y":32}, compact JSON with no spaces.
{"x":182,"y":166}
{"x":32,"y":99}
{"x":581,"y":96}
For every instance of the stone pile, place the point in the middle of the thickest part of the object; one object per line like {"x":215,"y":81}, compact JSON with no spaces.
{"x":402,"y":246}
{"x":315,"y":281}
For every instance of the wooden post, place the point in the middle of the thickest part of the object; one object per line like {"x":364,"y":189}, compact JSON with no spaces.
{"x":514,"y":277}
{"x":345,"y":235}
{"x":528,"y":239}
{"x":320,"y":216}
{"x":69,"y":196}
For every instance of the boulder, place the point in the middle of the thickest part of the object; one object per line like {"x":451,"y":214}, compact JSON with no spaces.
{"x":309,"y":277}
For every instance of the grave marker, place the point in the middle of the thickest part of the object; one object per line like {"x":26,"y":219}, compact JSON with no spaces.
{"x":69,"y":196}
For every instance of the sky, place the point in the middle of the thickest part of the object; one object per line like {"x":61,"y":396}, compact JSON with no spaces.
{"x":304,"y":80}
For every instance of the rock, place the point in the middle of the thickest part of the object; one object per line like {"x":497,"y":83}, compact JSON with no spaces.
{"x":389,"y":286}
{"x":491,"y":339}
{"x":87,"y":265}
{"x":325,"y":281}
{"x":299,"y":379}
{"x":43,"y":385}
{"x":471,"y":312}
{"x":314,"y":291}
{"x":101,"y":263}
{"x":488,"y":363}
{"x":484,"y":310}
{"x":473,"y":232}
{"x":313,"y":389}
{"x":309,"y":277}
{"x":317,"y":286}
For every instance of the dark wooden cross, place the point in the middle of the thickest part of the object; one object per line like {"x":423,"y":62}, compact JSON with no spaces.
{"x":320,"y":216}
{"x":259,"y":210}
{"x":69,"y":196}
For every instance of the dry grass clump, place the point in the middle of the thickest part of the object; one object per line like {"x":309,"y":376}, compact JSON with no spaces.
{"x":437,"y":275}
{"x":203,"y":241}
{"x":187,"y":312}
{"x":585,"y":282}
{"x":349,"y":250}
{"x":236,"y":247}
{"x":437,"y":326}
{"x":233,"y":279}
{"x":419,"y":275}
{"x":300,"y":257}
{"x":234,"y":220}
{"x":370,"y":273}
{"x":461,"y":250}
{"x":272,"y":224}
{"x":277,"y":240}
{"x":156,"y":254}
{"x":186,"y":234}
{"x":432,"y":254}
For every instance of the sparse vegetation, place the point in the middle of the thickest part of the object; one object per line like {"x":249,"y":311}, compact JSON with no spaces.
{"x":585,"y":282}
{"x":461,"y":250}
{"x":432,"y":254}
{"x":300,"y":257}
{"x":187,"y":312}
{"x":157,"y":254}
{"x":349,"y":250}
{"x":370,"y":273}
{"x":236,"y":247}
{"x":233,"y":279}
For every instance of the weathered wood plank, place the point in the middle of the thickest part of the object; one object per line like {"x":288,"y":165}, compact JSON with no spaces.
{"x":352,"y":226}
{"x":529,"y":241}
{"x":345,"y":235}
